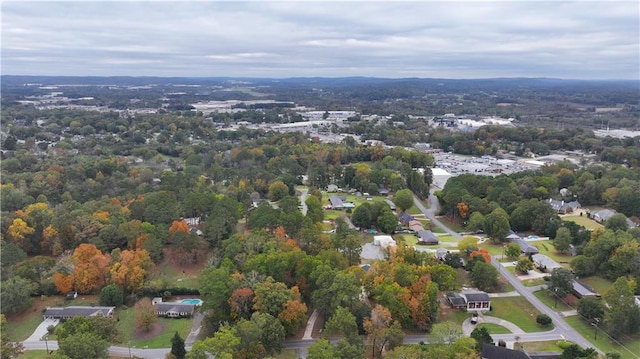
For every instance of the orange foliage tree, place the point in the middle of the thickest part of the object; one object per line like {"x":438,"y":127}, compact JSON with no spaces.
{"x":481,"y":252}
{"x":131,"y":270}
{"x":145,"y":315}
{"x":64,"y":282}
{"x":178,"y":226}
{"x":294,"y":316}
{"x":241,"y":303}
{"x":463,"y":210}
{"x":91,"y":268}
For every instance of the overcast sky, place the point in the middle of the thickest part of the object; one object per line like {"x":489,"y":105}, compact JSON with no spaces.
{"x":577,"y":40}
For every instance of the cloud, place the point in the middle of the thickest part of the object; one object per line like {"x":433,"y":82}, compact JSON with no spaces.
{"x":474,"y":39}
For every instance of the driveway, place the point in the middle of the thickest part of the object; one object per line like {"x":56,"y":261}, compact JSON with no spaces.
{"x":41,"y":330}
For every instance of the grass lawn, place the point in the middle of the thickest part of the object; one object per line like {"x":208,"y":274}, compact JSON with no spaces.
{"x":583,"y":221}
{"x":548,"y":299}
{"x":33,"y":354}
{"x":287,"y":354}
{"x":493,"y":249}
{"x":408,"y":239}
{"x":20,"y":327}
{"x":453,"y":225}
{"x":601,"y":285}
{"x":414,"y":210}
{"x":126,"y":325}
{"x":494,"y":328}
{"x":333,"y":214}
{"x":450,"y":315}
{"x":172,"y":276}
{"x":548,"y":346}
{"x":437,"y":229}
{"x":533,"y":282}
{"x":547,"y":248}
{"x":602,"y":342}
{"x":518,"y":311}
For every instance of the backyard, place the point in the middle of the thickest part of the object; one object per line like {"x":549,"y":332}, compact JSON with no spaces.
{"x":518,"y":311}
{"x":583,"y":221}
{"x":160,"y":336}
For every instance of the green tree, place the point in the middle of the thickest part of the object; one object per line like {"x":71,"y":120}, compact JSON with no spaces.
{"x":8,"y":349}
{"x":403,"y":199}
{"x":475,"y":222}
{"x":83,"y":345}
{"x":623,"y":315}
{"x":387,"y":222}
{"x":361,"y":216}
{"x":574,"y":351}
{"x":15,"y":295}
{"x":273,"y":333}
{"x":314,"y":209}
{"x":496,"y":225}
{"x":222,"y":345}
{"x":343,"y":323}
{"x":321,"y":349}
{"x":560,"y":282}
{"x":591,"y":308}
{"x":524,"y":265}
{"x":484,"y":276}
{"x":270,"y":296}
{"x":617,"y":222}
{"x":278,"y":190}
{"x":111,"y":295}
{"x":481,"y":335}
{"x":446,"y":333}
{"x":512,"y":250}
{"x":177,"y":347}
{"x":382,"y":332}
{"x":444,"y":276}
{"x":563,"y":239}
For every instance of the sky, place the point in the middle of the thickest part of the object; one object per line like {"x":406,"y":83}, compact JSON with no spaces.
{"x":427,"y":39}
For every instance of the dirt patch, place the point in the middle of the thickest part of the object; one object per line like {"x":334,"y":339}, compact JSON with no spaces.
{"x":188,"y":270}
{"x":155,"y":331}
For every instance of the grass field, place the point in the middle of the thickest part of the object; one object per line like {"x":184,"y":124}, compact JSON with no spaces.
{"x":547,"y":298}
{"x":455,"y":316}
{"x":518,"y":311}
{"x":494,"y":328}
{"x":533,"y":282}
{"x":173,"y":277}
{"x":414,"y":210}
{"x":287,"y":354}
{"x":602,"y":342}
{"x":455,"y":226}
{"x":583,"y":221}
{"x":493,"y":249}
{"x":548,"y":346}
{"x":601,"y":285}
{"x":33,"y":354}
{"x":162,"y":339}
{"x":547,"y":248}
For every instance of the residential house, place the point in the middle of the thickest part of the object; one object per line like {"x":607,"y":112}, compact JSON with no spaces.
{"x":405,"y":218}
{"x":490,"y":351}
{"x":64,"y":313}
{"x":427,"y":237}
{"x":581,"y":290}
{"x":416,"y":225}
{"x":544,"y":263}
{"x":174,"y":309}
{"x":383,"y":191}
{"x":479,"y":301}
{"x":336,"y":202}
{"x":602,"y":215}
{"x":512,"y":235}
{"x":563,"y":207}
{"x":456,"y":300}
{"x":525,"y":247}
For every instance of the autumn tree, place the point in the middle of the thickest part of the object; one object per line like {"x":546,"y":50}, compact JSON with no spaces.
{"x":63,"y":282}
{"x":382,"y":332}
{"x":467,"y":245}
{"x":241,"y":303}
{"x":179,"y":226}
{"x":293,"y":316}
{"x":463,"y":210}
{"x":18,"y":232}
{"x":145,"y":315}
{"x":131,"y":270}
{"x":482,"y":253}
{"x":91,"y":268}
{"x":278,"y":190}
{"x":271,"y":296}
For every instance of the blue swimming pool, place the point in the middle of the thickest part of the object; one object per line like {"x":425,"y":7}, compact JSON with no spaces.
{"x":196,"y":302}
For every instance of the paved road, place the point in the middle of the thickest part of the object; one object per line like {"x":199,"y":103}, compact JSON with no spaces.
{"x":303,"y":198}
{"x":562,"y":327}
{"x":430,"y":212}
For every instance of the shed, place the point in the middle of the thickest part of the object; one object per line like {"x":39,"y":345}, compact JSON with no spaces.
{"x":384,"y":241}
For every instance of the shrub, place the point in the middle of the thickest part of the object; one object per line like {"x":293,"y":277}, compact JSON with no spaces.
{"x":543,"y":319}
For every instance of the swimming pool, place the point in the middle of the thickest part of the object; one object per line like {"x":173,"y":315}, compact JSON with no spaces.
{"x":196,"y":302}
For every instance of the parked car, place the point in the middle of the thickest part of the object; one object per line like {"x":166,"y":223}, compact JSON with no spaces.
{"x":71,"y":295}
{"x":474,"y":318}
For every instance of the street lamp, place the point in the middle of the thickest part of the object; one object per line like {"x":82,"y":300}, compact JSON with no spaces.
{"x":46,"y":343}
{"x":503,"y":247}
{"x":129,"y":342}
{"x":555,"y":291}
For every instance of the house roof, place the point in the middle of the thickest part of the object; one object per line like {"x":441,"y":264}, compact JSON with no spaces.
{"x":604,"y":214}
{"x":390,"y":203}
{"x":477,"y":297}
{"x":583,"y":290}
{"x":512,"y":235}
{"x":336,"y":201}
{"x":525,"y":247}
{"x":404,"y":216}
{"x":441,"y":253}
{"x":456,"y":299}
{"x":497,"y":352}
{"x":428,"y":236}
{"x":78,"y":311}
{"x":543,"y":261}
